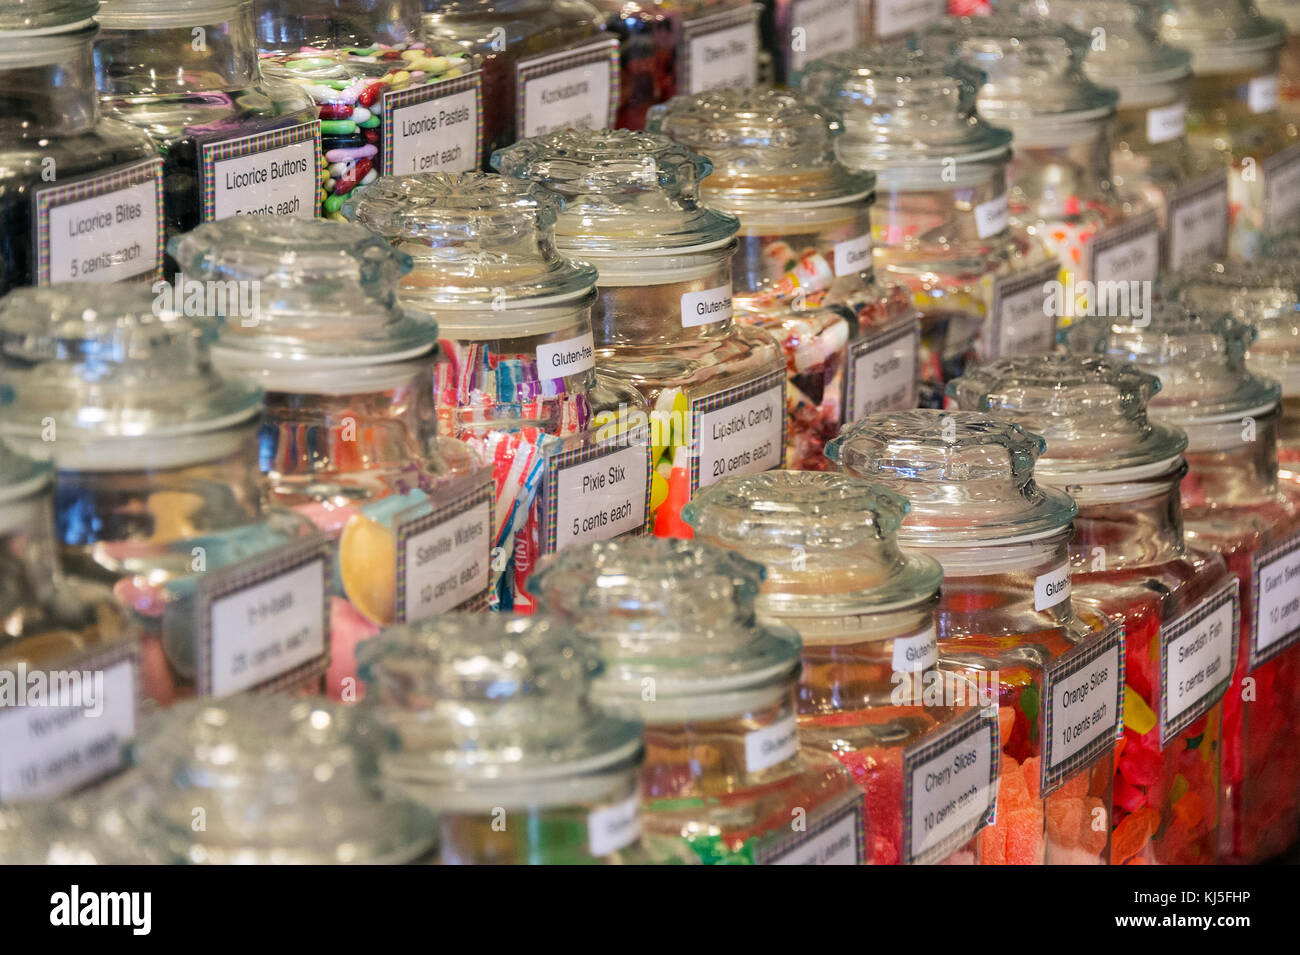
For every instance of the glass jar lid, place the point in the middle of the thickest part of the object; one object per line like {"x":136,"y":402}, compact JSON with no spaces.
{"x":674,"y":615}
{"x":1220,"y":34}
{"x":281,"y":779}
{"x":489,"y":705}
{"x":1092,"y":412}
{"x":826,"y":539}
{"x":169,"y":14}
{"x":626,"y":193}
{"x":1287,"y":11}
{"x":768,"y":147}
{"x":1199,"y":358}
{"x":969,"y":476}
{"x":45,"y":16}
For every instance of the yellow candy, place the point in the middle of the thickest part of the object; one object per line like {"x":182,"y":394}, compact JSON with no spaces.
{"x":658,"y":490}
{"x":1137,"y":715}
{"x":368,"y":566}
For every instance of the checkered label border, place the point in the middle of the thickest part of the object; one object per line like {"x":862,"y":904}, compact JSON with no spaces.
{"x":769,"y":849}
{"x":482,"y":493}
{"x":212,"y":153}
{"x":1210,"y":605}
{"x":1127,"y":231}
{"x":714,"y":23}
{"x":557,"y":61}
{"x":1287,"y":547}
{"x":1009,"y":286}
{"x":394,"y":100}
{"x":699,"y":407}
{"x":1189,"y":194}
{"x":873,"y":342}
{"x":582,"y":451}
{"x":1056,"y":773}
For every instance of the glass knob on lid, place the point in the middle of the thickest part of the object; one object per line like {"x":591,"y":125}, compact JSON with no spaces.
{"x":1222,"y":35}
{"x":968,"y":476}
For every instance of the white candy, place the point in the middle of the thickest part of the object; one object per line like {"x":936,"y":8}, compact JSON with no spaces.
{"x":370,"y":177}
{"x":360,"y":114}
{"x":337,"y":169}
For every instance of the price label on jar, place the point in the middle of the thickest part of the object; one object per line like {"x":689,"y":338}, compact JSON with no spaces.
{"x":596,"y":492}
{"x":576,"y":87}
{"x":1198,"y":220}
{"x":834,"y":835}
{"x":1167,"y":123}
{"x":1052,"y":587}
{"x":1023,"y":319}
{"x":263,"y":622}
{"x":273,"y":173}
{"x":820,"y":27}
{"x":62,"y":729}
{"x":1084,"y":690}
{"x":1128,"y":252}
{"x":991,"y":217}
{"x":882,"y":371}
{"x":706,"y":307}
{"x":103,"y":228}
{"x":1262,"y":94}
{"x":437,"y":127}
{"x":1197,"y":654}
{"x":720,"y":50}
{"x":950,"y":786}
{"x":917,"y":653}
{"x":1275,"y":611}
{"x":444,"y":557}
{"x":1281,"y":188}
{"x":615,"y":827}
{"x":738,"y":431}
{"x":893,"y":18}
{"x":571,"y":356}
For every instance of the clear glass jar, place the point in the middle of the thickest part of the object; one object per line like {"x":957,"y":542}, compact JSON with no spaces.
{"x":864,"y":610}
{"x":92,"y":828}
{"x":79,"y":197}
{"x":1060,"y":188}
{"x":940,"y":222}
{"x":517,"y":375}
{"x":1233,"y":110}
{"x":497,"y":734}
{"x":1129,"y":560}
{"x":1005,"y":618}
{"x":156,"y":488}
{"x":672,"y":47}
{"x":1287,"y":12}
{"x":349,"y":430}
{"x":186,"y":72}
{"x":387,"y":102}
{"x":804,"y":269}
{"x":725,"y":774}
{"x":664,"y":314}
{"x":1232,"y":504}
{"x":547,"y":64}
{"x":62,"y":631}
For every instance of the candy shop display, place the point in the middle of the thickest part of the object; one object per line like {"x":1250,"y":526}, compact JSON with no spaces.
{"x":1233,"y":110}
{"x":1128,"y":559}
{"x":156,"y":489}
{"x":865,"y":612}
{"x":664,"y":316}
{"x":80,"y":194}
{"x":940,"y":223}
{"x":517,"y":376}
{"x":804,"y":269}
{"x":233,"y":143}
{"x":349,"y":430}
{"x":1005,"y":618}
{"x":725,"y":775}
{"x":1232,"y":503}
{"x":671,"y":47}
{"x":547,"y":64}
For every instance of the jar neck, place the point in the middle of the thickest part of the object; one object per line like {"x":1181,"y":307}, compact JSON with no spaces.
{"x":1127,"y":526}
{"x":1218,"y":101}
{"x":179,"y":56}
{"x":1233,"y":463}
{"x":1134,"y":127}
{"x":679,"y":306}
{"x":961,"y":207}
{"x":1060,"y":182}
{"x":56,"y":96}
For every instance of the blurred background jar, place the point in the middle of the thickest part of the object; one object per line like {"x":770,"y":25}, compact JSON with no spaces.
{"x":1287,"y":12}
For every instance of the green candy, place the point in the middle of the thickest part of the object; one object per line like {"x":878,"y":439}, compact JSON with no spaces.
{"x":337,"y":127}
{"x":334,"y":203}
{"x":371,"y":123}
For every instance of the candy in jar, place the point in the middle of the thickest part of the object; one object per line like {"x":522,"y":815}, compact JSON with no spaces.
{"x":864,"y":610}
{"x":803,"y":269}
{"x":1129,"y":560}
{"x":1006,"y":619}
{"x":673,"y":622}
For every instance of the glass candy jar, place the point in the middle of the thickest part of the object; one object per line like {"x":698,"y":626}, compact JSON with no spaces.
{"x":1287,"y":12}
{"x":186,"y":72}
{"x":1232,"y":504}
{"x":349,"y":430}
{"x":870,"y":691}
{"x":1129,"y":560}
{"x":156,"y":488}
{"x":725,"y":775}
{"x":664,"y":316}
{"x":80,"y":195}
{"x":1005,"y":618}
{"x":940,"y":224}
{"x":803,"y":269}
{"x":516,"y":378}
{"x":497,"y":734}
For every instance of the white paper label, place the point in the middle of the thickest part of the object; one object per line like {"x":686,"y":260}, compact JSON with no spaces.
{"x":569,"y":357}
{"x":1127,"y":253}
{"x":1277,"y":600}
{"x":833,"y":844}
{"x":1024,"y":323}
{"x":432,"y":128}
{"x":772,"y":745}
{"x":267,"y":629}
{"x":722,"y":57}
{"x":102,"y":229}
{"x":853,"y":256}
{"x":1052,"y":587}
{"x":1261,"y":94}
{"x":46,"y":750}
{"x":991,"y":216}
{"x":447,"y":563}
{"x":568,"y":88}
{"x":742,"y":437}
{"x":1282,"y":189}
{"x":706,"y":307}
{"x":916,"y":653}
{"x":610,"y":828}
{"x":603,"y":497}
{"x":823,"y":26}
{"x":1198,"y":220}
{"x":1167,"y":123}
{"x":950,"y":785}
{"x":1198,"y":657}
{"x":1085,"y":705}
{"x":267,"y":174}
{"x":882,"y":372}
{"x":895,"y":17}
